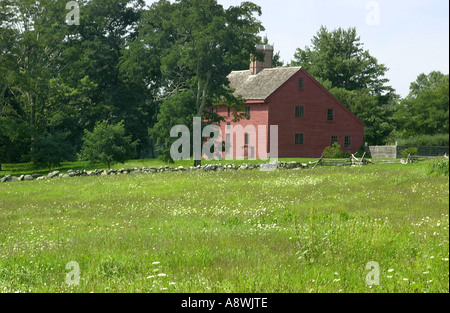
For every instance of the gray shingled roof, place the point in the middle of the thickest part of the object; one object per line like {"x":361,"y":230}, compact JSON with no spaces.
{"x":262,"y":85}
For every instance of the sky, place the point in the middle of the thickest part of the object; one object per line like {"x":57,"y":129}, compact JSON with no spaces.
{"x":410,"y":37}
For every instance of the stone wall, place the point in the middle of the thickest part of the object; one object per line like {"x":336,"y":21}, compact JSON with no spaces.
{"x":382,"y":152}
{"x":395,"y":152}
{"x":152,"y":170}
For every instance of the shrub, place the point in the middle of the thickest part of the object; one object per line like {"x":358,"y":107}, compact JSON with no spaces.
{"x":333,"y":152}
{"x":439,"y":167}
{"x":107,"y":144}
{"x":409,"y":151}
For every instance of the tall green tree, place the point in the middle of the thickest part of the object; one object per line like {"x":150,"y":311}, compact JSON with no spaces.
{"x":176,"y":110}
{"x":94,"y":50}
{"x":8,"y":56}
{"x":207,"y":41}
{"x":51,"y":149}
{"x":7,"y":65}
{"x":60,"y":78}
{"x":432,"y":81}
{"x":425,"y":111}
{"x":192,"y":46}
{"x":339,"y":56}
{"x":28,"y":64}
{"x":337,"y":59}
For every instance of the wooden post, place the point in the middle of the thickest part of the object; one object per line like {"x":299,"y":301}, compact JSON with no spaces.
{"x":362,"y":159}
{"x":318,"y":162}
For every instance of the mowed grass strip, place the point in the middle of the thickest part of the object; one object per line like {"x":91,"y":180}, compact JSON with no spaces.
{"x":240,"y":231}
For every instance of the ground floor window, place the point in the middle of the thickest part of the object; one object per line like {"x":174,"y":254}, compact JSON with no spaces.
{"x":348,"y":141}
{"x":334,"y":139}
{"x":299,"y":139}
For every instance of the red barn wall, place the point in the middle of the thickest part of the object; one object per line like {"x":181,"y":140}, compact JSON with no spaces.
{"x":314,"y":126}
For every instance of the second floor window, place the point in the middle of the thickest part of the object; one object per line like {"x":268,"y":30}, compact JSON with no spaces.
{"x":330,"y":115}
{"x":299,"y":111}
{"x":248,"y":111}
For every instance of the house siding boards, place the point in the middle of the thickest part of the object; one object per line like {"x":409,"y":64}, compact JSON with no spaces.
{"x":314,"y":125}
{"x":274,"y":94}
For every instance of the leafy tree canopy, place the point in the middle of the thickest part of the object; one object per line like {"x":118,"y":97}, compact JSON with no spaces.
{"x":107,"y":144}
{"x":339,"y":57}
{"x":425,"y":111}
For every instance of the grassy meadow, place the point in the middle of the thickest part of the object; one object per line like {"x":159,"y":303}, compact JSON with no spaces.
{"x":287,"y":231}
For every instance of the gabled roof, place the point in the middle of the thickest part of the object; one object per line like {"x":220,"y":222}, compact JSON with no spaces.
{"x":262,"y":85}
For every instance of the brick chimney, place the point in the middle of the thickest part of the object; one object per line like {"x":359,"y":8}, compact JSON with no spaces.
{"x":257,"y":66}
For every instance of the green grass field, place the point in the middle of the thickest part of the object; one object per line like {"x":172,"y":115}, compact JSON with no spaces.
{"x":238,"y":231}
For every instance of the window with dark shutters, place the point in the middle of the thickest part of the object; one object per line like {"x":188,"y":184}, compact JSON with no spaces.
{"x":299,"y":139}
{"x":334,"y":139}
{"x":348,"y":141}
{"x":299,"y":111}
{"x":330,"y":115}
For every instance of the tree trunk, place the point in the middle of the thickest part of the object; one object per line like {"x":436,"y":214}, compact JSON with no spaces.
{"x":152,"y":148}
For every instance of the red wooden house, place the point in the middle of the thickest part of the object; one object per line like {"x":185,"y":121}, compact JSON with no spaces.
{"x":309,"y":118}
